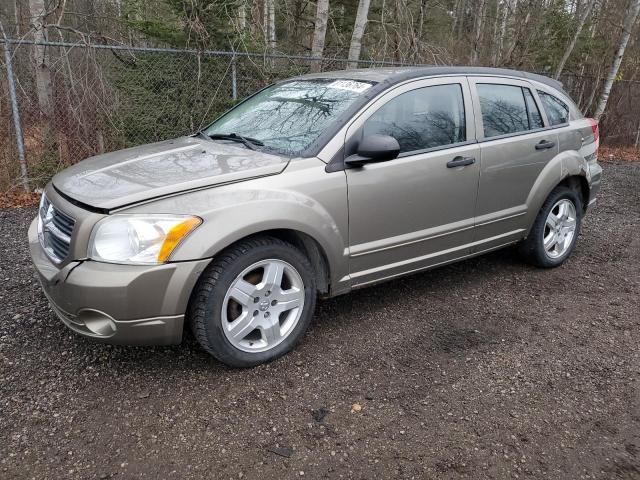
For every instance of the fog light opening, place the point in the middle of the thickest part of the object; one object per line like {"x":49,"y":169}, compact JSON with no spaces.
{"x":99,"y":323}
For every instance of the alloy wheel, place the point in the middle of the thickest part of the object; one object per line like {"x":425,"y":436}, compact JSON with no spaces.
{"x":263,"y":305}
{"x":560,"y":228}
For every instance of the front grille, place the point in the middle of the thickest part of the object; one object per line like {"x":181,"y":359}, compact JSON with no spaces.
{"x":54,"y":230}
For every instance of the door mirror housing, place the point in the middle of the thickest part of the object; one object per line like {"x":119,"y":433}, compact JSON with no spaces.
{"x":374,"y":148}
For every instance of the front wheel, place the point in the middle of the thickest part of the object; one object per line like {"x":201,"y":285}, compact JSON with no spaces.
{"x":254,"y":302}
{"x":555,"y":230}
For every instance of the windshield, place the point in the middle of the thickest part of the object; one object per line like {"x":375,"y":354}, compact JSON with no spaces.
{"x":289,"y":117}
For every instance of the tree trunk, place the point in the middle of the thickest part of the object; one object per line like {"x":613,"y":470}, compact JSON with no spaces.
{"x":271,"y":10}
{"x":423,"y":8}
{"x":587,"y":106}
{"x":496,"y":33}
{"x":265,"y":20}
{"x":242,"y":17}
{"x":629,"y":23}
{"x":44,"y":91}
{"x":319,"y":34}
{"x":358,"y":31}
{"x":516,"y":35}
{"x":477,"y":32}
{"x":16,"y":18}
{"x":506,"y":6}
{"x":458,"y":24}
{"x":567,"y":53}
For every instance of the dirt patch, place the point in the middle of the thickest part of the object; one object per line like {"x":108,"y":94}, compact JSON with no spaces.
{"x":484,"y":369}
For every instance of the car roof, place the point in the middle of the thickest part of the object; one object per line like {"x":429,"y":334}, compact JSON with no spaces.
{"x":393,"y":75}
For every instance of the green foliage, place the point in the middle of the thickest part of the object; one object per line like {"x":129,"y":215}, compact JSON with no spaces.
{"x":551,"y":37}
{"x":162,"y":96}
{"x":159,"y":30}
{"x":47,"y":164}
{"x":155,"y":20}
{"x":193,"y":23}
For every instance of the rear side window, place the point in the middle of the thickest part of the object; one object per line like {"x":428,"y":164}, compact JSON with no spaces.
{"x":424,"y":118}
{"x":557,"y":111}
{"x":507,"y":109}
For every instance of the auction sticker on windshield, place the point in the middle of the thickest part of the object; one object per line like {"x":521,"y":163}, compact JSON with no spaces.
{"x":351,"y":85}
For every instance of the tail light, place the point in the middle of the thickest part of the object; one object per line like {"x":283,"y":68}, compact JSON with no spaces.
{"x":596,"y":132}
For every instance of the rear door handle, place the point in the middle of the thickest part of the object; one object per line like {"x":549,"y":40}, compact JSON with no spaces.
{"x":460,"y":162}
{"x":544,"y":144}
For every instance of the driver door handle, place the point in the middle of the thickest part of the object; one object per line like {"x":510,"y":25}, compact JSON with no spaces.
{"x":460,"y":162}
{"x":544,"y":144}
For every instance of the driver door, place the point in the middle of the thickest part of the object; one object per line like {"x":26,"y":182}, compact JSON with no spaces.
{"x":417,"y":210}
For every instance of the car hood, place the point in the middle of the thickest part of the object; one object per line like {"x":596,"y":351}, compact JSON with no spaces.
{"x":141,"y":173}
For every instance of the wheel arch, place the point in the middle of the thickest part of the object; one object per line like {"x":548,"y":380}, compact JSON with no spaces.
{"x":308,"y":246}
{"x":303,"y":241}
{"x":579,"y":184}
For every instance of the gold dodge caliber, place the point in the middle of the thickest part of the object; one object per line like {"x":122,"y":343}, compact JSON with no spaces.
{"x":315,"y":185}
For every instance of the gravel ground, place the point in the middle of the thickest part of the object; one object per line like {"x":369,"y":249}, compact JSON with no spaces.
{"x":484,"y":369}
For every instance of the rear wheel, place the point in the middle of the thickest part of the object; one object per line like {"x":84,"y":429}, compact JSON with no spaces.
{"x":254,"y":302}
{"x":555,"y":230}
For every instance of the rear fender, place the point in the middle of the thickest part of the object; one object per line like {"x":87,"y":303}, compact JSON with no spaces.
{"x":565,"y":164}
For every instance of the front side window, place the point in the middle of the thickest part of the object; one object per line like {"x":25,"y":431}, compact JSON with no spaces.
{"x":424,"y":118}
{"x":289,"y":117}
{"x":557,"y":111}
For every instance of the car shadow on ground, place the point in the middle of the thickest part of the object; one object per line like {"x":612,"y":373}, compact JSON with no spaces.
{"x":340,"y":317}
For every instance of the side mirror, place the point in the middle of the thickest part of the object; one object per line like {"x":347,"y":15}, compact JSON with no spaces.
{"x":374,"y":148}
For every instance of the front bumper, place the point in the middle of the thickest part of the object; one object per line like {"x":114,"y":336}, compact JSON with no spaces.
{"x":121,"y":304}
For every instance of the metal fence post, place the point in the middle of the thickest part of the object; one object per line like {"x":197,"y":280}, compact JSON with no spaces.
{"x":15,"y":111}
{"x":234,"y":81}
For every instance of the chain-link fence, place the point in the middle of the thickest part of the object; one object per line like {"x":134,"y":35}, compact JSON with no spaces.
{"x":99,"y":98}
{"x":74,"y":101}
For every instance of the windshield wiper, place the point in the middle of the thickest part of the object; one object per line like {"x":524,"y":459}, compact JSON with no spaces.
{"x":250,"y":143}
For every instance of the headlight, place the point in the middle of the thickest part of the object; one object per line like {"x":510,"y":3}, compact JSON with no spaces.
{"x":144,"y":239}
{"x":42,"y":212}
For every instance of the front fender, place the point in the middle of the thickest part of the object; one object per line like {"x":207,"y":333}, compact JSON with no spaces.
{"x":563,"y":165}
{"x":304,"y":198}
{"x":259,"y":211}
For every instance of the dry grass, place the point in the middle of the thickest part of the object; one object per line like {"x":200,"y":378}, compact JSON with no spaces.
{"x":17,"y":199}
{"x":627,"y":154}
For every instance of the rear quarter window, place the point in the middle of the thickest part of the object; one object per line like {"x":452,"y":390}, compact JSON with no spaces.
{"x":557,"y":111}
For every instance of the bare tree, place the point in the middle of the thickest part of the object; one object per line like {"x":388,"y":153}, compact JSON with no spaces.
{"x":629,"y":23}
{"x":44,"y":92}
{"x":459,"y":11}
{"x":567,"y":53}
{"x":358,"y":31}
{"x":319,"y":34}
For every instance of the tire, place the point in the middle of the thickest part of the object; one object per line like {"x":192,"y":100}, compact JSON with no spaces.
{"x":235,"y":303}
{"x":533,"y":250}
